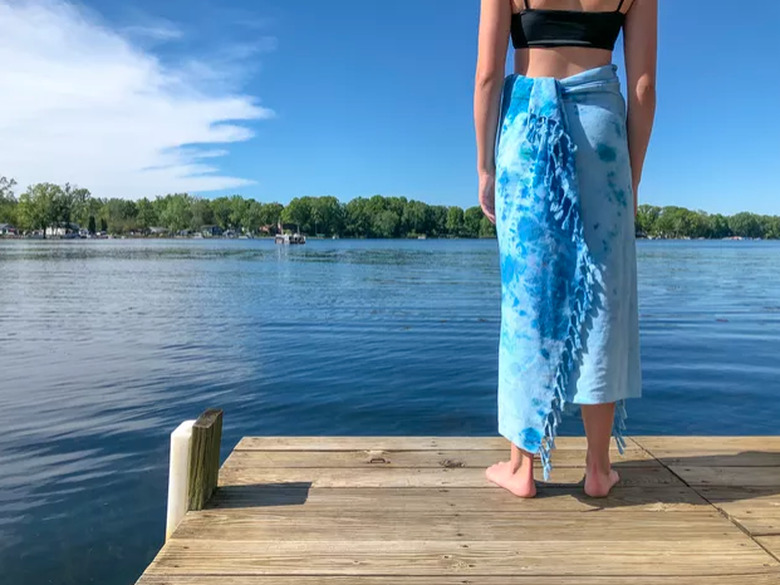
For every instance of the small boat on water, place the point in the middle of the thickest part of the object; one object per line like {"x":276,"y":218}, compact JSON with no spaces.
{"x":295,"y":238}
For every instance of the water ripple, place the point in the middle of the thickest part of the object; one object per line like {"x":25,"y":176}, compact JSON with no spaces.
{"x":105,"y":346}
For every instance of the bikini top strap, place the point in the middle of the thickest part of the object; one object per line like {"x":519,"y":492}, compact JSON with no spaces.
{"x":618,"y":8}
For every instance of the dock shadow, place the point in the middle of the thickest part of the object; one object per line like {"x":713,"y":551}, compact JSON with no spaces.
{"x":683,"y":490}
{"x":261,"y":495}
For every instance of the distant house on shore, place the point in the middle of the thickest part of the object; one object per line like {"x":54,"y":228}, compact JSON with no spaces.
{"x":64,"y":230}
{"x":6,"y":229}
{"x":158,"y":231}
{"x":268,"y":229}
{"x":211,"y":231}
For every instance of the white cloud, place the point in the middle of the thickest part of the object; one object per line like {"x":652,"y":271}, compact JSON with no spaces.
{"x":79,"y":103}
{"x":160,"y":31}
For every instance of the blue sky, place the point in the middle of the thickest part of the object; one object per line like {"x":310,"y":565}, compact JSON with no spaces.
{"x":352,"y":98}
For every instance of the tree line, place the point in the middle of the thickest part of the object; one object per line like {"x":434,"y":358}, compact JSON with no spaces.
{"x":46,"y":205}
{"x":679,"y":222}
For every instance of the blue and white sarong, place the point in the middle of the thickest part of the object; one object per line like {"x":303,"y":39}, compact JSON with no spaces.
{"x":565,"y":225}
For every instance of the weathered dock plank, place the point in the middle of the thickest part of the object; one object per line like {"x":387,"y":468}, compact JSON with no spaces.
{"x":768,"y":578}
{"x":757,"y":510}
{"x":394,"y":443}
{"x":424,"y":477}
{"x":771,"y":544}
{"x":736,"y":477}
{"x":724,"y":445}
{"x":534,"y":556}
{"x":554,"y":499}
{"x":418,"y":511}
{"x":262,"y":524}
{"x":437,"y":458}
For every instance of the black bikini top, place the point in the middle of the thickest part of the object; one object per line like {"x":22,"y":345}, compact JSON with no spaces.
{"x":566,"y":28}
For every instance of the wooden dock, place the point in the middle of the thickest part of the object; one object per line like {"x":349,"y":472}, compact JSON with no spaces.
{"x":419,"y":511}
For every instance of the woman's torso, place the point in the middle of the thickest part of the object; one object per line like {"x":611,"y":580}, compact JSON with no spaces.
{"x":563,"y":61}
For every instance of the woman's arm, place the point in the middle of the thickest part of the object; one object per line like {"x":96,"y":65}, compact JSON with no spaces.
{"x":640,"y":42}
{"x":494,"y":23}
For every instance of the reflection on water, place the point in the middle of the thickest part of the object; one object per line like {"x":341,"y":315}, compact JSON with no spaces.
{"x":105,"y":346}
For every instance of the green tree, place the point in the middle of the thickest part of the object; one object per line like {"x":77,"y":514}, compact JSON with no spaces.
{"x":375,"y":207}
{"x":718,"y":226}
{"x":176,"y":214}
{"x":120,"y":215}
{"x":299,"y":212}
{"x":238,"y":209}
{"x":646,"y":218}
{"x":358,"y":221}
{"x":92,"y":207}
{"x":486,"y":228}
{"x":472,"y":220}
{"x":438,"y":215}
{"x":202,"y":214}
{"x":455,"y":221}
{"x":91,"y":222}
{"x":40,"y":207}
{"x":222,"y":210}
{"x":770,"y":226}
{"x":271,"y":214}
{"x":386,"y":224}
{"x":327,"y":215}
{"x":76,"y":203}
{"x":8,"y":203}
{"x":415,"y":219}
{"x":745,"y":224}
{"x":677,"y":222}
{"x":395,"y":204}
{"x":384,"y":221}
{"x":146,"y":215}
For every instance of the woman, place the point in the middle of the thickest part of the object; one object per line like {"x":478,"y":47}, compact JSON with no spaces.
{"x":559,"y":164}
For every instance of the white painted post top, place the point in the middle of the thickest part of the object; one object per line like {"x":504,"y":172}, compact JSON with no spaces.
{"x":178,"y":476}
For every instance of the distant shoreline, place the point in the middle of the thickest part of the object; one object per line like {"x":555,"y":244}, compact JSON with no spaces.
{"x":350,"y":238}
{"x":66,"y":210}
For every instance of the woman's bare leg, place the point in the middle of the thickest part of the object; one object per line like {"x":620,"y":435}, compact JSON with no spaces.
{"x":599,"y":475}
{"x":515,"y":475}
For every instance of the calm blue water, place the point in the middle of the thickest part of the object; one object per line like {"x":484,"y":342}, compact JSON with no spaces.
{"x":106,"y":346}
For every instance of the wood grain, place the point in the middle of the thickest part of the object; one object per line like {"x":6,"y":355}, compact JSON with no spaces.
{"x":712,"y":444}
{"x":736,"y":477}
{"x":536,"y":556}
{"x":757,"y":510}
{"x":394,"y":443}
{"x":204,"y":458}
{"x":551,"y":500}
{"x":350,"y":525}
{"x":417,"y":477}
{"x":436,"y":458}
{"x":772,"y":544}
{"x":769,"y":577}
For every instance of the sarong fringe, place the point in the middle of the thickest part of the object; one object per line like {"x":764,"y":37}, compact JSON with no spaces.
{"x":560,"y":180}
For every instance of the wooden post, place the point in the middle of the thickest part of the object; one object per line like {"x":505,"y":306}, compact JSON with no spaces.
{"x":204,"y":458}
{"x":194,"y":466}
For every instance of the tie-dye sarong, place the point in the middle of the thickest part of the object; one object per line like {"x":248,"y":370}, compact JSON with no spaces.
{"x":565,"y":224}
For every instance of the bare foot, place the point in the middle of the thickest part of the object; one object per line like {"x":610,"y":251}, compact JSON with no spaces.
{"x":520,"y":484}
{"x":598,"y":485}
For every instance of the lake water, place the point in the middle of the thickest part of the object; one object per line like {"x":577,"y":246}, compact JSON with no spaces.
{"x":106,"y":346}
